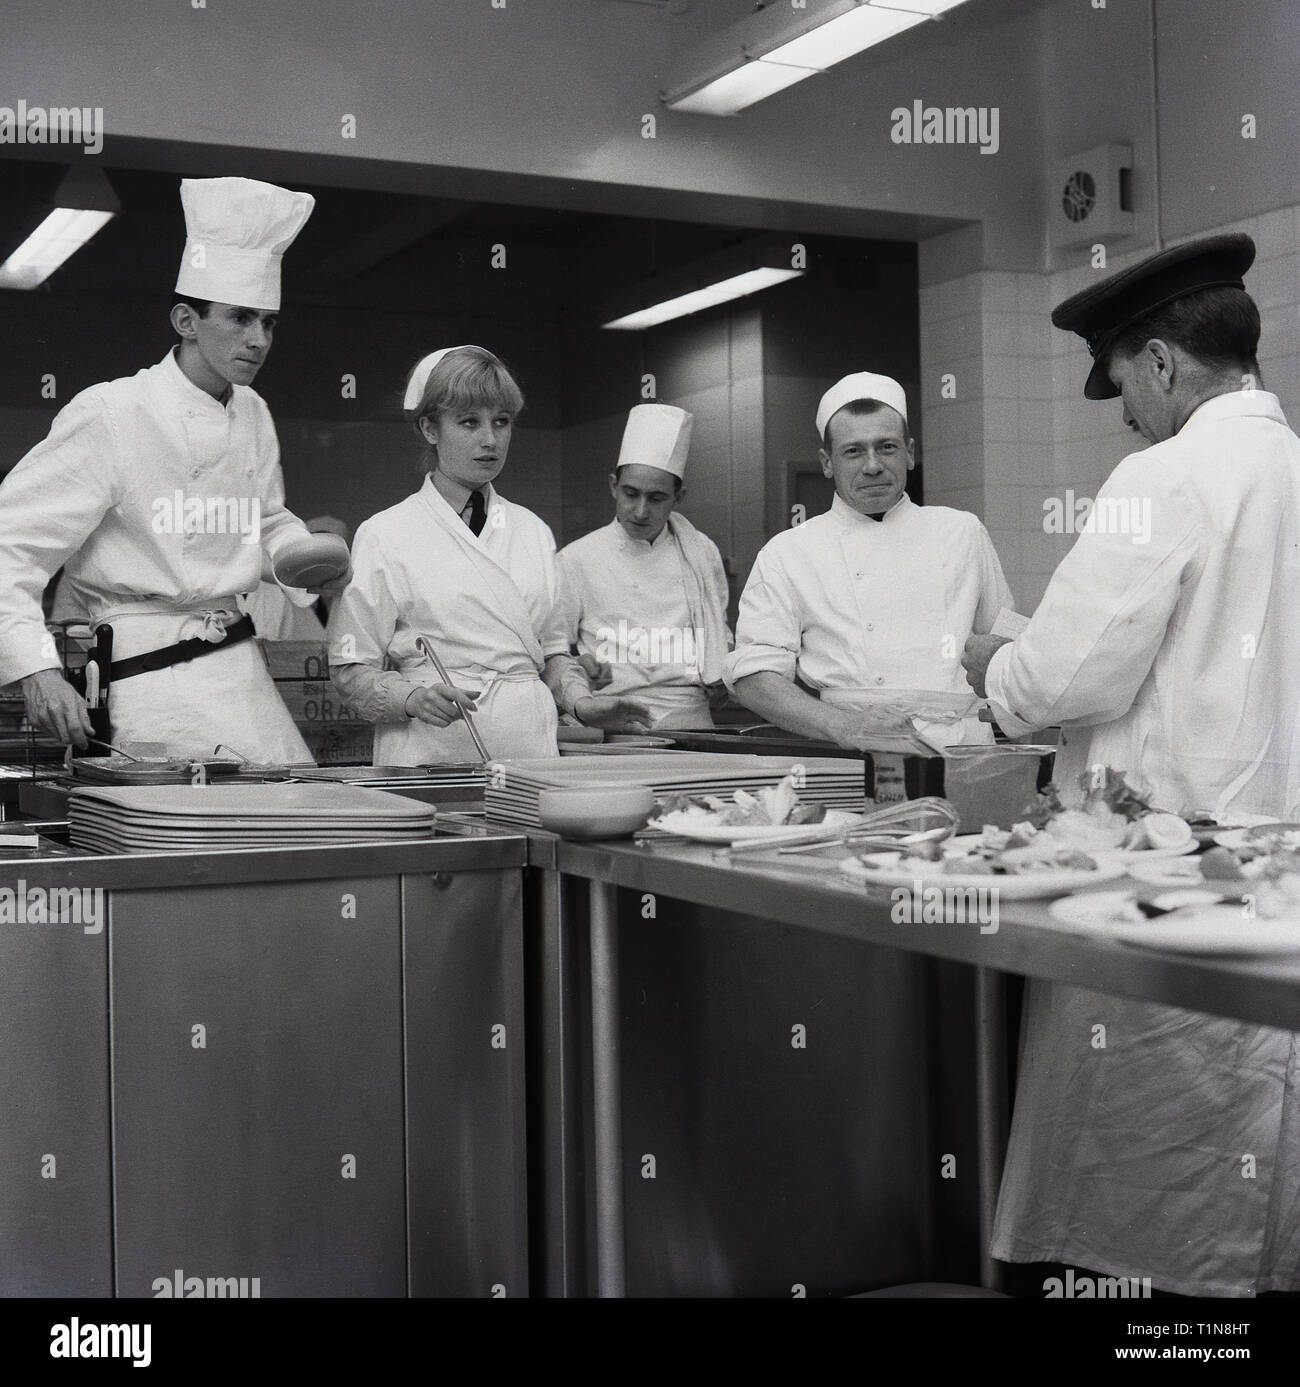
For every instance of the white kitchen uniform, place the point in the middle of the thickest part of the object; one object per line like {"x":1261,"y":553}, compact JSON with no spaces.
{"x":277,"y":619}
{"x":849,"y":602}
{"x":1175,"y":659}
{"x":105,"y":495}
{"x":481,"y":601}
{"x":635,"y":606}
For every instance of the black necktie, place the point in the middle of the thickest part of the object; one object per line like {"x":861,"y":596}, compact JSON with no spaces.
{"x":477,"y":512}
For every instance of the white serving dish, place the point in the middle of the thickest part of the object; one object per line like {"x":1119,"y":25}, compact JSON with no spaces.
{"x":307,"y":563}
{"x":596,"y":811}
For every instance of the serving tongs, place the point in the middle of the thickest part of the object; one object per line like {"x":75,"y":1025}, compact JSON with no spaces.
{"x":431,"y":655}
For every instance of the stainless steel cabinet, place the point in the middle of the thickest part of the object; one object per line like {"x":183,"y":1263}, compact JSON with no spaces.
{"x":55,"y":1225}
{"x":257,"y":1087}
{"x":462,"y":965}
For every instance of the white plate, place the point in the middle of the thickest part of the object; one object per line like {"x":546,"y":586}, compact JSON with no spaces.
{"x":964,"y":841}
{"x":1247,"y":837}
{"x":1217,"y":929}
{"x":1025,"y":886}
{"x":1207,"y":929}
{"x":960,"y":845}
{"x":1113,"y":910}
{"x":1167,"y":871}
{"x":778,"y":835}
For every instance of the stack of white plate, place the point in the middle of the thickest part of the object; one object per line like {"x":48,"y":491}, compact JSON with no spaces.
{"x":206,"y":818}
{"x":513,"y":786}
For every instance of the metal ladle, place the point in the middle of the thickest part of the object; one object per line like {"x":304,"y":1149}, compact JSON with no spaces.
{"x":431,"y":655}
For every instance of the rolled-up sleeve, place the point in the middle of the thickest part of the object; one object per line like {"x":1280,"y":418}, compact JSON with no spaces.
{"x":361,"y":626}
{"x":769,"y":631}
{"x":50,"y":503}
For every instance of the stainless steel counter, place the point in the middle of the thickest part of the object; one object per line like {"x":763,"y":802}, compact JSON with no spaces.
{"x":1028,"y":939}
{"x":842,"y":958}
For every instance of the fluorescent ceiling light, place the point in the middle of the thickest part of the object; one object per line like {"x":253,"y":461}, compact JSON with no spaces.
{"x":761,"y":62}
{"x":736,"y":287}
{"x":84,"y":203}
{"x":61,"y":235}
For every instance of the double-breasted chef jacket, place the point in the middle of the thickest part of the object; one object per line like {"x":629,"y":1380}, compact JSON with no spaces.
{"x":482,"y":601}
{"x":849,"y":602}
{"x":158,"y":501}
{"x":1171,"y":1150}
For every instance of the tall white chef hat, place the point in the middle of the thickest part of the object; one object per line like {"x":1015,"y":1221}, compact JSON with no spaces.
{"x":424,"y":369}
{"x":861,"y":385}
{"x":657,"y":436}
{"x":236,"y":231}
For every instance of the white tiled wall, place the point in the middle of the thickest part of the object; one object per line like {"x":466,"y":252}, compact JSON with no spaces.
{"x":1019,"y":431}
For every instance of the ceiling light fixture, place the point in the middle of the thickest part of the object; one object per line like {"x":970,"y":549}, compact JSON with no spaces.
{"x":728,"y":274}
{"x":84,"y":204}
{"x":749,"y":282}
{"x":779,"y":46}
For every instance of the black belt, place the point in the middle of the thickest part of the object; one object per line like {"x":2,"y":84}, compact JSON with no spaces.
{"x":193,"y":649}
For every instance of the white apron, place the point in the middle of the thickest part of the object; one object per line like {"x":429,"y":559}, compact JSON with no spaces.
{"x":227,"y":697}
{"x":515,"y":717}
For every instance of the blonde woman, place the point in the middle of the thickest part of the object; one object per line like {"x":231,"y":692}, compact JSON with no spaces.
{"x":461,"y":566}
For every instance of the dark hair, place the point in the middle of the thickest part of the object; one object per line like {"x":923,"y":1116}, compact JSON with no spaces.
{"x":677,"y":481}
{"x":200,"y":306}
{"x":859,"y":408}
{"x":1219,"y":327}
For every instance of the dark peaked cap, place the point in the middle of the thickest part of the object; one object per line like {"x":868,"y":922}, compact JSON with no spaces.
{"x":1101,"y":313}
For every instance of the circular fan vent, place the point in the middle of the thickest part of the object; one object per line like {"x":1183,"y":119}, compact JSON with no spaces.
{"x":1080,"y":196}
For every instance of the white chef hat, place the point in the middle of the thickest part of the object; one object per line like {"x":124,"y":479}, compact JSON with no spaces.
{"x":657,"y":436}
{"x":861,"y":385}
{"x":236,"y":231}
{"x":424,"y":369}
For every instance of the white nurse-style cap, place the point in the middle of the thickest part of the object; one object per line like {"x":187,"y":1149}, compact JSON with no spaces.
{"x":862,"y":385}
{"x":424,"y":369}
{"x":657,"y":436}
{"x":236,"y":231}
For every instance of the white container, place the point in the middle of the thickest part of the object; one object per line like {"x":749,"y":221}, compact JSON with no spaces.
{"x":596,"y":811}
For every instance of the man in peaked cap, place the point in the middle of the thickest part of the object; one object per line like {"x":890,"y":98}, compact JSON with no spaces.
{"x":1167,"y":652}
{"x":877,"y":594}
{"x":161,"y":496}
{"x":643,"y":599}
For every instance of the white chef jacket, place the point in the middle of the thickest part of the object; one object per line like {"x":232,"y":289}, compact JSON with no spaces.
{"x":483,"y":602}
{"x":98,"y":497}
{"x":621,"y":598}
{"x":854,"y":603}
{"x":1177,"y":661}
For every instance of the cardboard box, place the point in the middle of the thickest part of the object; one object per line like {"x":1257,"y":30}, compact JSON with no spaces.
{"x":307,"y":660}
{"x":314,"y":702}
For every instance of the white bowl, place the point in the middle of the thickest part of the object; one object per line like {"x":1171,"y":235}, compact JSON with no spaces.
{"x":596,"y":811}
{"x":307,"y":563}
